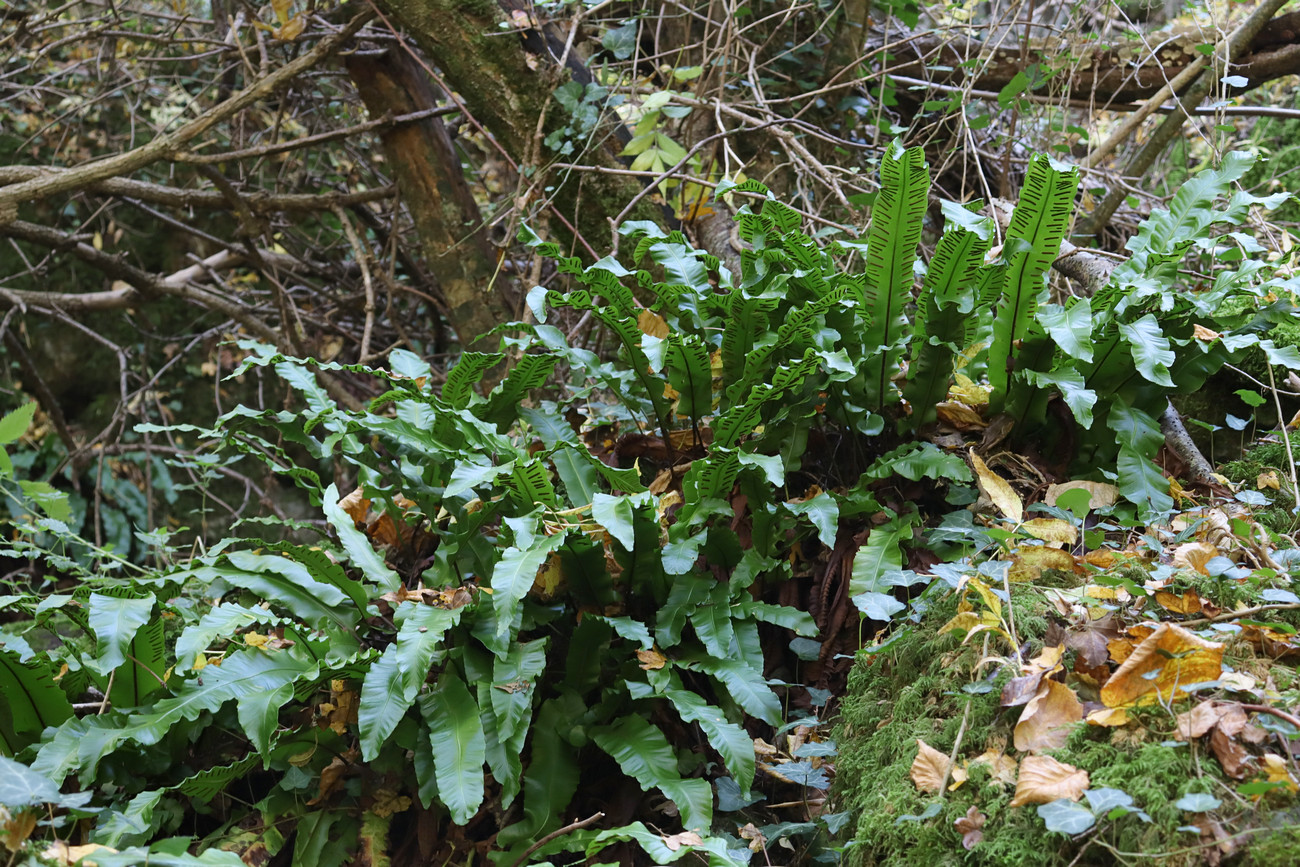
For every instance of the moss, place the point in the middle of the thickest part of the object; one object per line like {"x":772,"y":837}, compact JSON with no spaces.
{"x":916,"y":692}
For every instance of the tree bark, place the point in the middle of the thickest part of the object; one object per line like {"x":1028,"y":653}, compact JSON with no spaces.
{"x":433,"y":188}
{"x":509,"y":90}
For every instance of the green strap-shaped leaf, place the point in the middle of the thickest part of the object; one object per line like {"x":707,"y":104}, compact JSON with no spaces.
{"x":712,"y":621}
{"x":459,"y":748}
{"x":222,"y":621}
{"x":645,"y":755}
{"x":895,"y":231}
{"x":420,"y":640}
{"x":359,"y":550}
{"x":503,"y":755}
{"x":325,"y":570}
{"x":514,"y":680}
{"x":530,"y":483}
{"x":32,"y":701}
{"x":745,"y":684}
{"x":549,"y":782}
{"x":503,"y":404}
{"x":513,"y":577}
{"x":384,"y":701}
{"x":1033,"y":240}
{"x":458,"y":390}
{"x":115,"y":620}
{"x":943,"y":322}
{"x":689,"y":372}
{"x":1150,"y":348}
{"x":731,"y":741}
{"x":210,"y":782}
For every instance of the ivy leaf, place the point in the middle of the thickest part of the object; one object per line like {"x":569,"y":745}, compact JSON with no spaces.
{"x":1066,"y":817}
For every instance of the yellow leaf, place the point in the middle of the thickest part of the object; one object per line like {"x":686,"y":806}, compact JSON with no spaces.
{"x":1168,"y":657}
{"x":281,"y":9}
{"x":1047,"y":719}
{"x":255,"y":639}
{"x":1268,"y":480}
{"x":1111,"y":717}
{"x":1029,"y":561}
{"x":1278,"y":772}
{"x":1200,"y":332}
{"x":967,"y":391}
{"x":1051,"y":530}
{"x":1043,"y":779}
{"x":97,"y":241}
{"x":1188,"y":603}
{"x":929,"y":768}
{"x":997,"y":490}
{"x":291,"y":30}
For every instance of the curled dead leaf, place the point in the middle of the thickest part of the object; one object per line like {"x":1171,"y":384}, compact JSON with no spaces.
{"x":652,"y":659}
{"x":930,"y":768}
{"x":970,"y":827}
{"x":1167,"y":658}
{"x":1043,"y":779}
{"x":1194,"y":556}
{"x":998,"y":490}
{"x":685,"y":838}
{"x":1047,"y":719}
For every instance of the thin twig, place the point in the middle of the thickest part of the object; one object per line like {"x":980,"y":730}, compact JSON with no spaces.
{"x":575,"y":826}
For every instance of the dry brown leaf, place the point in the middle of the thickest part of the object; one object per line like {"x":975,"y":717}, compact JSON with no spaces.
{"x":685,"y":838}
{"x":652,"y":324}
{"x":1052,"y":530}
{"x":1194,"y":556}
{"x":15,"y":829}
{"x":1002,"y":767}
{"x":1198,"y":721}
{"x":1100,"y":494}
{"x":757,"y":842}
{"x":1043,"y":779}
{"x":1046,"y":721}
{"x":1168,"y":657}
{"x":1200,"y":332}
{"x":1121,"y":647}
{"x":356,"y":506}
{"x":970,"y":827}
{"x":652,"y":659}
{"x":998,"y":490}
{"x":1020,"y":690}
{"x":929,"y":768}
{"x":1232,"y":756}
{"x":1189,"y":603}
{"x":331,"y":779}
{"x":1268,"y":480}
